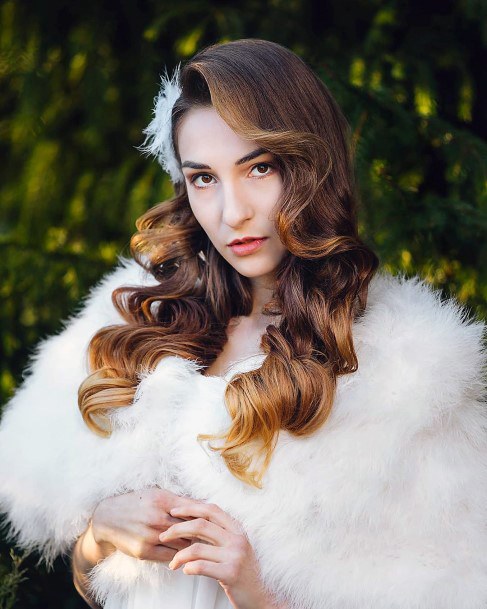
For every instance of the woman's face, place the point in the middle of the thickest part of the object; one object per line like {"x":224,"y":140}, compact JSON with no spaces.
{"x":233,"y":188}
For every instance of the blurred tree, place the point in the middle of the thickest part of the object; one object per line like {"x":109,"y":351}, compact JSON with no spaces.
{"x":77,"y":82}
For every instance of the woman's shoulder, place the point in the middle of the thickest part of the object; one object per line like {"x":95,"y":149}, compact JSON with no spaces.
{"x":420,"y":346}
{"x":402,"y":308}
{"x":127,"y":272}
{"x":94,"y":311}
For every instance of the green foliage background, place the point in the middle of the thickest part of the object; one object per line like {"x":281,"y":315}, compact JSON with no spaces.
{"x":76,"y":87}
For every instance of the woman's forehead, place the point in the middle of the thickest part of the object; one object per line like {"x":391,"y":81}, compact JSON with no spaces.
{"x":203,"y":134}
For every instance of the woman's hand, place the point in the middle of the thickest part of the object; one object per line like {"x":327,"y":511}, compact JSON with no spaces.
{"x":222,"y":552}
{"x":131,"y":523}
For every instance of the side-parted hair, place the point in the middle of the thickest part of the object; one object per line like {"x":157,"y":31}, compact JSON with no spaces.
{"x":266,"y":94}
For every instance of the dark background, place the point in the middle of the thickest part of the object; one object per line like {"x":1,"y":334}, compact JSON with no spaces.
{"x":77,"y":82}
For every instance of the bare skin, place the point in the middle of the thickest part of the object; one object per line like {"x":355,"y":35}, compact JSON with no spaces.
{"x":244,"y":336}
{"x":226,"y":554}
{"x":234,"y":196}
{"x":131,"y":523}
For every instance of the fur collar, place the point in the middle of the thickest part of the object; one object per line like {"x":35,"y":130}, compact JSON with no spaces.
{"x":385,"y":506}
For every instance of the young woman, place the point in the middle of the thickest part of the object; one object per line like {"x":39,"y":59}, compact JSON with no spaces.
{"x":269,"y":420}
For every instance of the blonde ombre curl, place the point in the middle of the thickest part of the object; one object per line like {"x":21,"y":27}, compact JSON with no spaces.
{"x":266,"y":94}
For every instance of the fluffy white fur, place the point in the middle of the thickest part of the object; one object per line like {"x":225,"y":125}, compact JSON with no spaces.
{"x":385,"y":507}
{"x":158,"y":141}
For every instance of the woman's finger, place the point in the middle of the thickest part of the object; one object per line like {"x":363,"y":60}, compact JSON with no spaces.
{"x":162,"y":521}
{"x":176,"y":544}
{"x":160,"y":554}
{"x":219,"y":571}
{"x":197,"y":551}
{"x":209,"y":511}
{"x":152,"y":537}
{"x":198,"y":528}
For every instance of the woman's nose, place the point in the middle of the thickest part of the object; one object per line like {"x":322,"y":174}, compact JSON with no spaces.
{"x":237,"y":208}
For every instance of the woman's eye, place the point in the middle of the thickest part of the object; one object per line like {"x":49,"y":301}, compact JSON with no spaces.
{"x":205,"y":180}
{"x":262,"y":169}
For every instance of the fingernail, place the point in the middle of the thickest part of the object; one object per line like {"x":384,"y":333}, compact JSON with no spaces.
{"x":171,"y":565}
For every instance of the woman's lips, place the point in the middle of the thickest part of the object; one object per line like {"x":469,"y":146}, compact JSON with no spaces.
{"x":242,"y":249}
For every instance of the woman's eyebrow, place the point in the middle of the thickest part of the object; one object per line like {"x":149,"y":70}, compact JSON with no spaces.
{"x":251,"y":155}
{"x":245,"y":159}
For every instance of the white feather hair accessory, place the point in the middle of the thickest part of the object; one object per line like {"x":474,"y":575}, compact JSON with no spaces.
{"x":158,"y":141}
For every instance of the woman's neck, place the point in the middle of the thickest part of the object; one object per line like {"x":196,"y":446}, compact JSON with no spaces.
{"x":262,"y":292}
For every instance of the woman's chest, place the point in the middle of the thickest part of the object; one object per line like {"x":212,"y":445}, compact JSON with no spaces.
{"x":243,"y":341}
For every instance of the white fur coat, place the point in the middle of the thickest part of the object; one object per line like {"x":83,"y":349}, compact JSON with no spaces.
{"x":385,"y":507}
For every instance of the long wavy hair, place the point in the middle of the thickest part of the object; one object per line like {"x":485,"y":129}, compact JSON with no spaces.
{"x":266,"y":94}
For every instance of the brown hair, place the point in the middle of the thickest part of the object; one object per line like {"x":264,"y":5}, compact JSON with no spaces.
{"x":266,"y":94}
